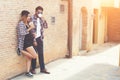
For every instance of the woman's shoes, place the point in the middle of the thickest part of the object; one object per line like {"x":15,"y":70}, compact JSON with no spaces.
{"x":29,"y":74}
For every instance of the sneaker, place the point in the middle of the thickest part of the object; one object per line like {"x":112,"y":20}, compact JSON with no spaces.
{"x":29,"y":74}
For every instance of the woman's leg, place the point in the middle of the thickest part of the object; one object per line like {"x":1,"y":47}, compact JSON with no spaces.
{"x":28,"y":59}
{"x":28,"y":63}
{"x":26,"y":54}
{"x":32,"y":51}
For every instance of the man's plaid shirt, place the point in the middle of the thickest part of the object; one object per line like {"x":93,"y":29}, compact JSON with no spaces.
{"x":43,"y":25}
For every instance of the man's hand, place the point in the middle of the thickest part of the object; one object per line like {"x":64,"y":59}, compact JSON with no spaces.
{"x":34,"y":35}
{"x":35,"y":43}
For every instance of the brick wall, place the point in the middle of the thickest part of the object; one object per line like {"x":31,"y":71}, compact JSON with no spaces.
{"x":113,"y":24}
{"x":55,"y":36}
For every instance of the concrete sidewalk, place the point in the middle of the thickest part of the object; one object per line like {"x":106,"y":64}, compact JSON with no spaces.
{"x":92,"y":67}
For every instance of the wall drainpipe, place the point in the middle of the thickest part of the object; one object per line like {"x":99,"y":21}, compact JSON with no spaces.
{"x":70,"y":24}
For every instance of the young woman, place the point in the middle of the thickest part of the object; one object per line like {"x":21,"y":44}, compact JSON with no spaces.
{"x":26,"y":39}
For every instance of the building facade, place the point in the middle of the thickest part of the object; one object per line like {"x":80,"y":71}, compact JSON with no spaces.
{"x":71,"y":28}
{"x":55,"y":42}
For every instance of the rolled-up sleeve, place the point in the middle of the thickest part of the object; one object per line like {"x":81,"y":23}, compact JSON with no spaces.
{"x":45,"y":25}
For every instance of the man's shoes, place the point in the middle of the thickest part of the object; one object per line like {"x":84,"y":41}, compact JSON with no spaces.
{"x":29,"y":74}
{"x":33,"y":71}
{"x":45,"y":71}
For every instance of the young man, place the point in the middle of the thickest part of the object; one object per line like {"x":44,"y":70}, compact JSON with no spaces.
{"x":39,"y":23}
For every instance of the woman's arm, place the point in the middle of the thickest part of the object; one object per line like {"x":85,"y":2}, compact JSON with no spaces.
{"x":31,"y":26}
{"x":22,"y":30}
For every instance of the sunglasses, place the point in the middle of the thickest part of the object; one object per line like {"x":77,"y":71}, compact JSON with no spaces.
{"x":40,"y":12}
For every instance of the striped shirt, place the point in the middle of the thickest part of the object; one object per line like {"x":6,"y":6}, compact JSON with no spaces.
{"x":21,"y":32}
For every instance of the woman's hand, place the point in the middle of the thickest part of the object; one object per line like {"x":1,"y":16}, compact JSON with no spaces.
{"x":34,"y":35}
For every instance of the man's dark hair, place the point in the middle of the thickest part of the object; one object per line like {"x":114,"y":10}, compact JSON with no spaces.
{"x":25,"y":13}
{"x":39,"y":8}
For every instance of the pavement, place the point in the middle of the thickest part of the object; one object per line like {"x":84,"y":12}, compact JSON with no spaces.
{"x":88,"y":67}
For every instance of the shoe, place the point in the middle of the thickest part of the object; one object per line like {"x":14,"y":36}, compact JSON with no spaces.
{"x":33,"y":71}
{"x":29,"y":74}
{"x":44,"y":71}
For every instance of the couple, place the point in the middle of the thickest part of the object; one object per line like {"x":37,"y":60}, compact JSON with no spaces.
{"x":30,"y":39}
